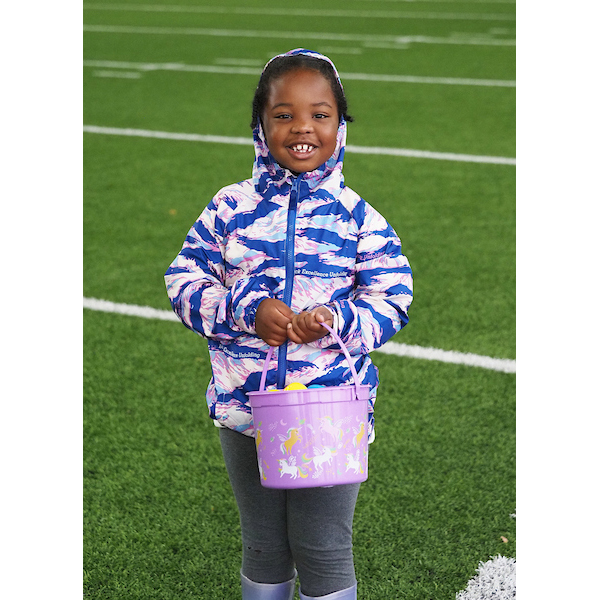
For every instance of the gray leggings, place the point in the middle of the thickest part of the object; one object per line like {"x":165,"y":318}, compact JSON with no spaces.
{"x":310,"y":528}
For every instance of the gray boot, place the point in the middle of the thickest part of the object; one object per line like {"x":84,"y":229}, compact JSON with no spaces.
{"x":347,"y":594}
{"x":267,"y":591}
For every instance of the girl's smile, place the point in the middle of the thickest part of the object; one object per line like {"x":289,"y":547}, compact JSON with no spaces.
{"x":301,"y":120}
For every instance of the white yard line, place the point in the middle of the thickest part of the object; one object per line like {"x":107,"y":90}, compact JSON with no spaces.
{"x":168,"y":135}
{"x":132,"y":310}
{"x":475,"y":40}
{"x":256,"y":71}
{"x":118,"y":74}
{"x":300,"y":12}
{"x":504,"y":365}
{"x":246,"y":141}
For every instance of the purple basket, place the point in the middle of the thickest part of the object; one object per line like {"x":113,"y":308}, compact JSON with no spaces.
{"x":311,"y":438}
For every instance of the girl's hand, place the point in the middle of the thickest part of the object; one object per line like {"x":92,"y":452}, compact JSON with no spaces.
{"x":306,"y":327}
{"x":272,"y":320}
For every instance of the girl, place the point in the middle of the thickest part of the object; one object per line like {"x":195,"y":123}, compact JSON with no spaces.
{"x":268,"y":261}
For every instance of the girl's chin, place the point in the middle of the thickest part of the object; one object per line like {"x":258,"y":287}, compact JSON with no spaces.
{"x":301,"y":166}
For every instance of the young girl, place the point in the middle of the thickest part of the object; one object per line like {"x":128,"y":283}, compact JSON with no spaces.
{"x":268,"y":261}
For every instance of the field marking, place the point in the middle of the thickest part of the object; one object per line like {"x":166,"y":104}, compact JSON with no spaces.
{"x":496,"y":579}
{"x":118,"y":74}
{"x":504,"y":365}
{"x":300,"y":12}
{"x":476,"y":40}
{"x":247,"y":141}
{"x":248,"y":69}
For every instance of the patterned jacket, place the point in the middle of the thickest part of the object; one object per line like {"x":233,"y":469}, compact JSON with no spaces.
{"x":307,"y":240}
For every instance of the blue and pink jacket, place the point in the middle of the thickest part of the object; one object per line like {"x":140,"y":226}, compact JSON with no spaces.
{"x":307,"y":240}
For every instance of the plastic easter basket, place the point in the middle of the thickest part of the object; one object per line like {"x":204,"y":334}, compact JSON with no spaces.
{"x":314,"y":437}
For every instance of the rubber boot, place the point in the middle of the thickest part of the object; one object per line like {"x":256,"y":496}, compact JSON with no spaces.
{"x":347,"y":594}
{"x":267,"y":591}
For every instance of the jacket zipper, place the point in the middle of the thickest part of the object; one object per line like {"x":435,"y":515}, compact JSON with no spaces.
{"x":290,"y":261}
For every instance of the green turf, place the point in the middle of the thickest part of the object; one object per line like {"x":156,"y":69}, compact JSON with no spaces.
{"x":160,"y":520}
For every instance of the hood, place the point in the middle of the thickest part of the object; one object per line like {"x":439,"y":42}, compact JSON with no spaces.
{"x":270,"y":178}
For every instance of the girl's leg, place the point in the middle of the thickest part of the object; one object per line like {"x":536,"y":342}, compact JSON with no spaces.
{"x":266,"y":555}
{"x":320,"y":534}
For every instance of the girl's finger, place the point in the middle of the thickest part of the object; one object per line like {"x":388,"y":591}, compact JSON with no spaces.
{"x":293,"y":335}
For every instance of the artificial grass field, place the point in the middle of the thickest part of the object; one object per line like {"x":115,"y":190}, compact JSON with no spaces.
{"x":160,"y":520}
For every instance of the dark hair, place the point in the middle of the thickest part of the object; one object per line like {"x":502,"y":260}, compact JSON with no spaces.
{"x":284,"y":64}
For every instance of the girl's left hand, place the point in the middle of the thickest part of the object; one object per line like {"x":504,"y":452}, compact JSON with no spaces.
{"x":306,"y":327}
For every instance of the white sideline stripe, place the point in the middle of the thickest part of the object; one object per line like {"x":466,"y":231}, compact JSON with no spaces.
{"x":472,"y":360}
{"x":299,"y":12}
{"x":244,"y":141}
{"x":256,"y":71}
{"x":477,"y":40}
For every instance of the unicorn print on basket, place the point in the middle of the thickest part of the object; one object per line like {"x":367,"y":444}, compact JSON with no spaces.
{"x":292,"y":437}
{"x":321,"y":457}
{"x":259,"y":439}
{"x":333,"y":429}
{"x":288,"y":467}
{"x":261,"y":469}
{"x":353,"y":463}
{"x":358,"y":434}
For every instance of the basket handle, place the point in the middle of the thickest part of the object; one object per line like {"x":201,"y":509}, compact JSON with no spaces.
{"x":337,"y":338}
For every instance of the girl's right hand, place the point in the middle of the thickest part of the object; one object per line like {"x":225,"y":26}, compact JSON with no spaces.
{"x":271,"y":321}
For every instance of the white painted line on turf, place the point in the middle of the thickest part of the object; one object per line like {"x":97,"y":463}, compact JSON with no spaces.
{"x":504,"y":365}
{"x":246,"y":69}
{"x":434,"y":80}
{"x":496,"y":579}
{"x":476,"y":40}
{"x":220,"y":69}
{"x":301,"y":12}
{"x":409,"y":153}
{"x":132,"y":310}
{"x":168,"y":135}
{"x":246,"y":141}
{"x":118,"y":74}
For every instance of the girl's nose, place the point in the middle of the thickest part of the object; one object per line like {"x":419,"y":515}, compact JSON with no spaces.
{"x":302,"y":126}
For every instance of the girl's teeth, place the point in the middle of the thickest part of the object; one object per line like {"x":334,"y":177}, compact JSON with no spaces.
{"x":301,"y":148}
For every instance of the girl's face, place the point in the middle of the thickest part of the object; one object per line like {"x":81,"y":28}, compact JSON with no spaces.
{"x":301,"y":120}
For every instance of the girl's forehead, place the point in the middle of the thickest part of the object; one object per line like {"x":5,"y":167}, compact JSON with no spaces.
{"x":294,"y":82}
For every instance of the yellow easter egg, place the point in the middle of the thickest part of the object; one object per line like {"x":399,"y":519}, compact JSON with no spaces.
{"x":295,"y":386}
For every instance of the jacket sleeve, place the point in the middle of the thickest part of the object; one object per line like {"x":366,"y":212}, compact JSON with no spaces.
{"x":196,"y":284}
{"x":383,"y":287}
